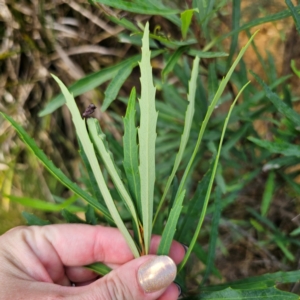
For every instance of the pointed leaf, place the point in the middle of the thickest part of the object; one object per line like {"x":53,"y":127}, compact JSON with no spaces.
{"x":186,"y":18}
{"x":131,"y":159}
{"x":57,"y":173}
{"x":147,"y":137}
{"x":82,"y":133}
{"x":92,"y":81}
{"x":170,"y":227}
{"x":186,"y":130}
{"x":113,"y":88}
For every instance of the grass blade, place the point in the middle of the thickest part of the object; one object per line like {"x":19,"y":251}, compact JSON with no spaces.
{"x":268,"y":194}
{"x":207,"y":196}
{"x":170,"y":227}
{"x":31,"y":219}
{"x":236,"y":15}
{"x":147,"y":137}
{"x":279,"y":104}
{"x":193,"y":207}
{"x":88,"y":148}
{"x":186,"y":130}
{"x":294,"y":13}
{"x":113,"y":88}
{"x":210,"y":111}
{"x":281,"y":147}
{"x":270,"y":293}
{"x":57,"y":173}
{"x":213,"y":236}
{"x":131,"y":161}
{"x":99,"y":268}
{"x":172,"y":61}
{"x":46,"y":206}
{"x":265,"y":280}
{"x":139,"y":7}
{"x":92,"y":81}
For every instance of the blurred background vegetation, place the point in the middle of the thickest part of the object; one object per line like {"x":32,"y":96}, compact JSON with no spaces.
{"x":72,"y":38}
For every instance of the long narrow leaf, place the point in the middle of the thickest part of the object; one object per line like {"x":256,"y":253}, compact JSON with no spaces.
{"x":114,"y":86}
{"x":193,"y":207}
{"x":265,"y":280}
{"x":147,"y":137}
{"x":57,"y":173}
{"x":213,"y":236}
{"x":210,"y":111}
{"x":139,"y":7}
{"x":281,"y":147}
{"x":186,"y":130}
{"x":295,"y":14}
{"x":268,"y":194}
{"x":46,"y":206}
{"x":131,"y":160}
{"x":203,"y":212}
{"x":279,"y":104}
{"x":92,"y":81}
{"x":82,"y":133}
{"x":257,"y":294}
{"x":172,"y":61}
{"x":99,"y":142}
{"x":170,"y":228}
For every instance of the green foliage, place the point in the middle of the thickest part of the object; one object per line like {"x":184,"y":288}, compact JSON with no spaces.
{"x":175,"y":134}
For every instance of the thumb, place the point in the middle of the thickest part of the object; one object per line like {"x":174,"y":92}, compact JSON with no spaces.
{"x":144,"y":278}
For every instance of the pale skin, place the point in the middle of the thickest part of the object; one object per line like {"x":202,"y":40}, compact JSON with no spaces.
{"x":43,"y":262}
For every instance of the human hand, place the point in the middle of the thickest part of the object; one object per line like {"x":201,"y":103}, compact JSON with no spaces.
{"x":43,"y":262}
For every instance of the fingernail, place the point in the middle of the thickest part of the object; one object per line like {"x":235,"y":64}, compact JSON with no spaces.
{"x":179,"y":289}
{"x":157,"y":273}
{"x":186,"y":248}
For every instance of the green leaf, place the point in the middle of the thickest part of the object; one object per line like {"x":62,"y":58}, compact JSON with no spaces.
{"x":57,"y":173}
{"x":186,"y":130}
{"x":279,"y":104}
{"x":45,"y":206}
{"x":268,"y":193}
{"x":213,"y":236}
{"x":172,"y":61}
{"x":206,"y":54}
{"x":90,"y":216}
{"x":186,"y":18}
{"x":71,"y":218}
{"x":147,"y":136}
{"x":170,"y":227}
{"x":99,"y":268}
{"x":92,"y":81}
{"x":113,"y":88}
{"x":236,"y":15}
{"x":265,"y":280}
{"x":281,"y":147}
{"x":92,"y":180}
{"x":139,"y":7}
{"x":295,"y":14}
{"x":88,"y":148}
{"x":255,"y":22}
{"x":100,"y":144}
{"x":295,"y":232}
{"x":294,"y":68}
{"x":257,"y":294}
{"x":210,"y":111}
{"x":31,"y":219}
{"x":130,"y":147}
{"x":207,"y":196}
{"x":193,"y":207}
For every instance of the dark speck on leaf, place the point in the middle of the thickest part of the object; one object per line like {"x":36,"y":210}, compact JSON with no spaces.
{"x":89,"y":111}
